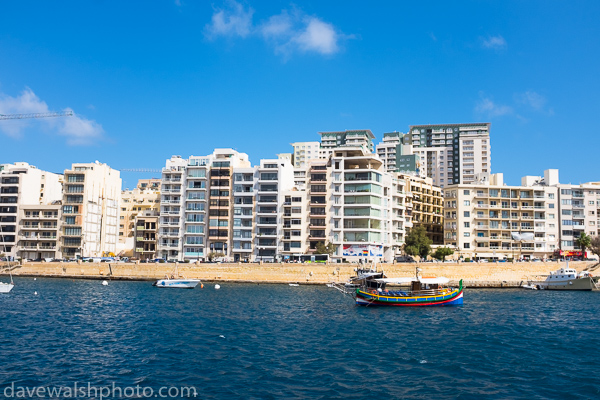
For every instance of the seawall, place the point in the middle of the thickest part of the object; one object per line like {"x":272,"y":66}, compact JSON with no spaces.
{"x":473,"y":274}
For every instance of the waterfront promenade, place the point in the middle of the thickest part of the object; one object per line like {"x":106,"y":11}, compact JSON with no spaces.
{"x":473,"y":274}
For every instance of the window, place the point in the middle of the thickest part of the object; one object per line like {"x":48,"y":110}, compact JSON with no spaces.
{"x":466,"y":234}
{"x":466,"y":192}
{"x":467,"y":202}
{"x":466,"y":245}
{"x":467,"y":214}
{"x":467,"y":224}
{"x":551,"y":205}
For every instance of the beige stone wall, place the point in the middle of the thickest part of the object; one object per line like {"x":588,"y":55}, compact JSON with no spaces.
{"x":473,"y":274}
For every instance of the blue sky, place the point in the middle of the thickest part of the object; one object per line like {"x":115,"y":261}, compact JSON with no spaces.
{"x":150,"y":79}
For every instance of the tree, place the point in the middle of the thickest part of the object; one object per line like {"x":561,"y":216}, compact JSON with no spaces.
{"x":212,"y":256}
{"x":442,"y":252}
{"x":323,"y":248}
{"x":595,"y":245}
{"x":583,"y":241}
{"x":417,"y":243}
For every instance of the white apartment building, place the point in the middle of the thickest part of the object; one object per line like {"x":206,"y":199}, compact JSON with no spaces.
{"x":245,"y":185}
{"x":174,"y":189}
{"x":196,"y":204}
{"x":275,"y":178}
{"x":295,"y":223}
{"x":90,"y":210}
{"x":29,"y":209}
{"x":579,"y":207}
{"x":357,"y":138}
{"x":360,"y":205}
{"x":304,"y":152}
{"x":577,"y":213}
{"x":401,"y":212}
{"x":490,"y":220}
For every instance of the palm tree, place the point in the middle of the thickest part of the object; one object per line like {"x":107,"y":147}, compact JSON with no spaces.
{"x":583,"y":241}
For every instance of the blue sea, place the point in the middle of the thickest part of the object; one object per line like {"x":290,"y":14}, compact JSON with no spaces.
{"x":250,"y":341}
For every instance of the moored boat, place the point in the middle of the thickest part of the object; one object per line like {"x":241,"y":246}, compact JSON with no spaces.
{"x":567,"y":278}
{"x":176,"y":281}
{"x":372,"y":288}
{"x":6,"y":287}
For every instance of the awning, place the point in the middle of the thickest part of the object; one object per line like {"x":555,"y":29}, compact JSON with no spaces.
{"x":396,"y":280}
{"x":432,"y":281}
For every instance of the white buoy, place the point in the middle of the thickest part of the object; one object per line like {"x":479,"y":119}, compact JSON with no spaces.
{"x":35,"y":293}
{"x":104,"y":283}
{"x":35,"y":279}
{"x":217,"y":286}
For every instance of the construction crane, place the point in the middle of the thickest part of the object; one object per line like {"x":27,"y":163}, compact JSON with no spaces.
{"x":36,"y":115}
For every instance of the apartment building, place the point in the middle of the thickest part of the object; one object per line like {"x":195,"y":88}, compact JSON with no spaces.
{"x":39,"y":228}
{"x":275,"y":178}
{"x":304,"y":152}
{"x":144,"y":197}
{"x":319,"y":191}
{"x":426,"y":206}
{"x":29,"y":209}
{"x":579,"y":206}
{"x":360,"y":205}
{"x":357,"y":138}
{"x":451,"y":153}
{"x":399,"y":157}
{"x":401,"y":212}
{"x":491,"y":220}
{"x":90,"y":210}
{"x":146,"y":234}
{"x":196,"y":201}
{"x":174,"y":189}
{"x":245,"y":185}
{"x":296,"y":223}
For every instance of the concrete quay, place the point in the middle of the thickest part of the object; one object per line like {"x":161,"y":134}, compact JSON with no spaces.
{"x":481,"y":275}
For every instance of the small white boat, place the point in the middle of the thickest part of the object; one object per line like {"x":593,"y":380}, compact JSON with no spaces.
{"x":294,"y":284}
{"x":176,"y":281}
{"x":530,"y":286}
{"x":6,"y":287}
{"x":567,"y":279}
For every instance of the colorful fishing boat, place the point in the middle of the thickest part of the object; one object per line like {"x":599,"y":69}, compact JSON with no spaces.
{"x":372,"y":288}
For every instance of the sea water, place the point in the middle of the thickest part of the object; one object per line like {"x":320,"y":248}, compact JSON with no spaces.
{"x":251,"y":341}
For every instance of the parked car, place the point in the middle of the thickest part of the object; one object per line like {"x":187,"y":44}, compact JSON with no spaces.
{"x":405,"y":259}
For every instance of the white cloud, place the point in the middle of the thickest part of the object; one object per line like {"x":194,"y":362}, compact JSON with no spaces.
{"x":494,"y":42}
{"x":288,"y":32}
{"x":76,"y":129}
{"x":487,"y":106}
{"x":277,"y":26}
{"x":234,"y":21}
{"x":318,"y":36}
{"x":532,"y":99}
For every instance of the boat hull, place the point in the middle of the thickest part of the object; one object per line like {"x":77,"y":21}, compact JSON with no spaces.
{"x":6,"y":287}
{"x":454,"y":298}
{"x":585,"y":283}
{"x":176,"y":283}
